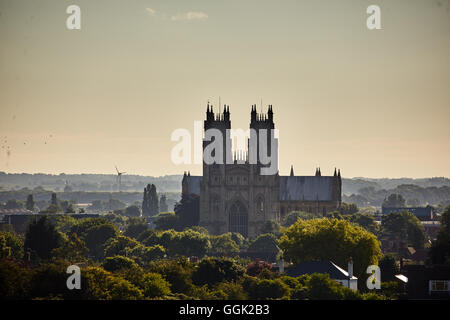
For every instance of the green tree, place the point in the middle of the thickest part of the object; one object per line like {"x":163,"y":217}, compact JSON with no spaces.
{"x":167,"y":221}
{"x":135,"y":226}
{"x":233,"y":290}
{"x":96,"y":238}
{"x":42,"y":237}
{"x":74,"y":249}
{"x":188,"y":210}
{"x":54,"y":199}
{"x":144,"y":254}
{"x":117,"y":263}
{"x":271,"y":226}
{"x":30,"y":204}
{"x":348,"y":208}
{"x":15,"y":280}
{"x":133,"y":211}
{"x":150,"y":202}
{"x":211,"y":271}
{"x":394,"y":201}
{"x":403,"y":226}
{"x":388,"y":267}
{"x":266,"y":289}
{"x":366,"y":221}
{"x":440,"y":248}
{"x":178,"y":272}
{"x":223,"y":245}
{"x":330,"y":239}
{"x":265,"y":245}
{"x":120,"y":245}
{"x":49,"y":281}
{"x":321,"y":287}
{"x":10,"y":245}
{"x":293,"y":216}
{"x":189,"y":243}
{"x":155,"y":286}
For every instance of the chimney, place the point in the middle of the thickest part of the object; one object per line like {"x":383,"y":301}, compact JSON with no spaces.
{"x":281,"y":266}
{"x":350,"y":268}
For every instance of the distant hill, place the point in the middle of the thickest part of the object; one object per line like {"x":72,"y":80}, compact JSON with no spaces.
{"x":362,"y":191}
{"x":88,"y":182}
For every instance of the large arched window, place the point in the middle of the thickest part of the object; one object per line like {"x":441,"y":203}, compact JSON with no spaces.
{"x":238,"y":219}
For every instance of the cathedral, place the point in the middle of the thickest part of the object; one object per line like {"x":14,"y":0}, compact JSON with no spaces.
{"x":236,"y":197}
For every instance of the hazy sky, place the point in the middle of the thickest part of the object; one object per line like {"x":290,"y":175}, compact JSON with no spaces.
{"x":373,"y":103}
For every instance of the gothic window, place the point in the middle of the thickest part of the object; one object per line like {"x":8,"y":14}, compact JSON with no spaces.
{"x":259,"y":205}
{"x":238,"y":219}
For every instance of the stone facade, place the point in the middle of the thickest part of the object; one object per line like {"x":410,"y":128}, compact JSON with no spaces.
{"x":235,"y":197}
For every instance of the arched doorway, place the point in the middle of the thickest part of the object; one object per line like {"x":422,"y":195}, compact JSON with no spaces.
{"x":238,"y":219}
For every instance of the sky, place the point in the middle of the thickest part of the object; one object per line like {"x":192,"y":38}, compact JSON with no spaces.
{"x":374,"y":103}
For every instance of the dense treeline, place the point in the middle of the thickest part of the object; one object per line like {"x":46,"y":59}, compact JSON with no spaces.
{"x":414,"y":195}
{"x":122,"y":258}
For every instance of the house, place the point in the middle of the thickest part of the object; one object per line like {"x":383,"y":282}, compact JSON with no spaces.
{"x":427,"y":281}
{"x":422,"y":213}
{"x":346,"y":278}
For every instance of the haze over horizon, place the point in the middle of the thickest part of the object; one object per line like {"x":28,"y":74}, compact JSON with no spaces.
{"x":372,"y":103}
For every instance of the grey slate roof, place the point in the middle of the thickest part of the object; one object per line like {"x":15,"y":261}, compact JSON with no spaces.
{"x":307,"y":188}
{"x":417,"y":211}
{"x":311,"y":267}
{"x":193,"y":184}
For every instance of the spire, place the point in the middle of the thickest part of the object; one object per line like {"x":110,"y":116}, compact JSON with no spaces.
{"x":292,"y":171}
{"x":339,"y":173}
{"x":335,"y":174}
{"x":320,"y":173}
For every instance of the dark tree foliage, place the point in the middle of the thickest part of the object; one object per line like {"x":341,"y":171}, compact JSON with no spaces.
{"x":388,"y":268}
{"x":188,"y":210}
{"x":133,"y":211}
{"x":54,"y":199}
{"x":150,"y":202}
{"x":394,"y":201}
{"x":117,"y":263}
{"x":271,"y":226}
{"x":404,"y":226}
{"x":42,"y":237}
{"x":211,"y":271}
{"x":30,"y":203}
{"x":440,"y":248}
{"x":348,"y":208}
{"x":135,"y":226}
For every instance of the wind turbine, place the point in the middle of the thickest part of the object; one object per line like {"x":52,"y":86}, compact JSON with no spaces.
{"x":119,"y":177}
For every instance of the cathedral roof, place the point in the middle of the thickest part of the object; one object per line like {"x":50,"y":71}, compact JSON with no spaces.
{"x":307,"y":188}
